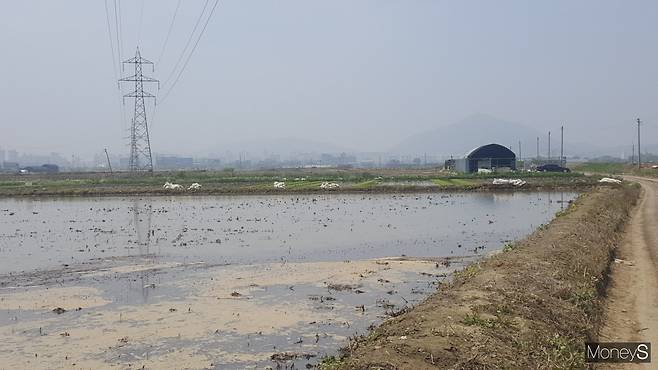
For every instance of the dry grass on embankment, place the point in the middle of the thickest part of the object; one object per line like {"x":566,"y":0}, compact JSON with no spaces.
{"x":531,"y":306}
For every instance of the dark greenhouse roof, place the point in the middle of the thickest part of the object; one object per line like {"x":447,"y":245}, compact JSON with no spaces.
{"x":490,"y":151}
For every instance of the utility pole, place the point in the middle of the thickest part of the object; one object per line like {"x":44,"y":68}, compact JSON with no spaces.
{"x":562,"y":146}
{"x":140,"y":143}
{"x":639,"y":151}
{"x":538,"y":148}
{"x":520,"y":153}
{"x":108,"y":160}
{"x":549,"y":147}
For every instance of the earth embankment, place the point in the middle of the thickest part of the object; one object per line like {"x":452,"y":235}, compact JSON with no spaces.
{"x":532,"y":306}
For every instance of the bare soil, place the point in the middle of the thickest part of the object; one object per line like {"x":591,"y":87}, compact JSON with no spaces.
{"x":532,"y":306}
{"x":192,"y":316}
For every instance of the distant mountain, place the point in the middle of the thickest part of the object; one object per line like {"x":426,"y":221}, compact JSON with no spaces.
{"x":284,"y":147}
{"x":458,"y":138}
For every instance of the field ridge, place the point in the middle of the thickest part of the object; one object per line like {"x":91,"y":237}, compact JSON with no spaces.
{"x":531,"y":306}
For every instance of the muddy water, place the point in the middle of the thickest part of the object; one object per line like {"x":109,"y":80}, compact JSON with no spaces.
{"x":39,"y":234}
{"x":231,"y":282}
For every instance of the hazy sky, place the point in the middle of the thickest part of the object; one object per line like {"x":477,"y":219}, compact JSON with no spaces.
{"x":361,"y":74}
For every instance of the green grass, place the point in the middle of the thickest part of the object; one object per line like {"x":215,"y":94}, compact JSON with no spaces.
{"x":330,"y":363}
{"x":584,"y":298}
{"x":562,"y":350}
{"x":523,"y":175}
{"x":616,"y":169}
{"x":475,"y":320}
{"x":467,"y":272}
{"x":442,"y":182}
{"x":250,"y":180}
{"x":366,"y":184}
{"x":613,"y":168}
{"x":13,"y":183}
{"x":509,"y":247}
{"x":452,"y":182}
{"x":462,"y":182}
{"x":303,"y":185}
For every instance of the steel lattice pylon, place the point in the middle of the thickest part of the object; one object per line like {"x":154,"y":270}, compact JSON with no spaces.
{"x":140,"y":144}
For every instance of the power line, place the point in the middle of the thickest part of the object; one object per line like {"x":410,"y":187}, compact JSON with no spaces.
{"x":182,"y":54}
{"x":122,"y":112}
{"x":141,"y":21}
{"x":164,"y":45}
{"x":119,"y":27}
{"x":117,"y":23}
{"x":171,"y":26}
{"x":109,"y":35}
{"x":180,"y":73}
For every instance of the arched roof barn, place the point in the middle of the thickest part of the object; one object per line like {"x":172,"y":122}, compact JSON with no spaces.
{"x":490,"y":156}
{"x":490,"y":151}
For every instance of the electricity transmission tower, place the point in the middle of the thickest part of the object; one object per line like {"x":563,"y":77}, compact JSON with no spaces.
{"x":140,"y":144}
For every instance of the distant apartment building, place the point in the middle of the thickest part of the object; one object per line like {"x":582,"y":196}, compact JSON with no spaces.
{"x":342,"y":159}
{"x":9,"y":166}
{"x":12,"y":156}
{"x":209,"y":163}
{"x":166,"y":162}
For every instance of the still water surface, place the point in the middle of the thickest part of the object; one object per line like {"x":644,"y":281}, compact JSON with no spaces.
{"x":232,"y":282}
{"x":37,"y":234}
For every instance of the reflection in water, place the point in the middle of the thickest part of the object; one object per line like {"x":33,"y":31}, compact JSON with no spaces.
{"x":260,"y":229}
{"x":139,"y":288}
{"x":493,"y":197}
{"x":142,"y":214}
{"x":561,"y":201}
{"x":142,"y":211}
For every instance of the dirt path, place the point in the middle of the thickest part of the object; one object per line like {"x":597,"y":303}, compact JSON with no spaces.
{"x":631,"y":312}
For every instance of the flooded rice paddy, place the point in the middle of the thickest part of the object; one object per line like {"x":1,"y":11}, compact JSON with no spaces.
{"x":232,"y":282}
